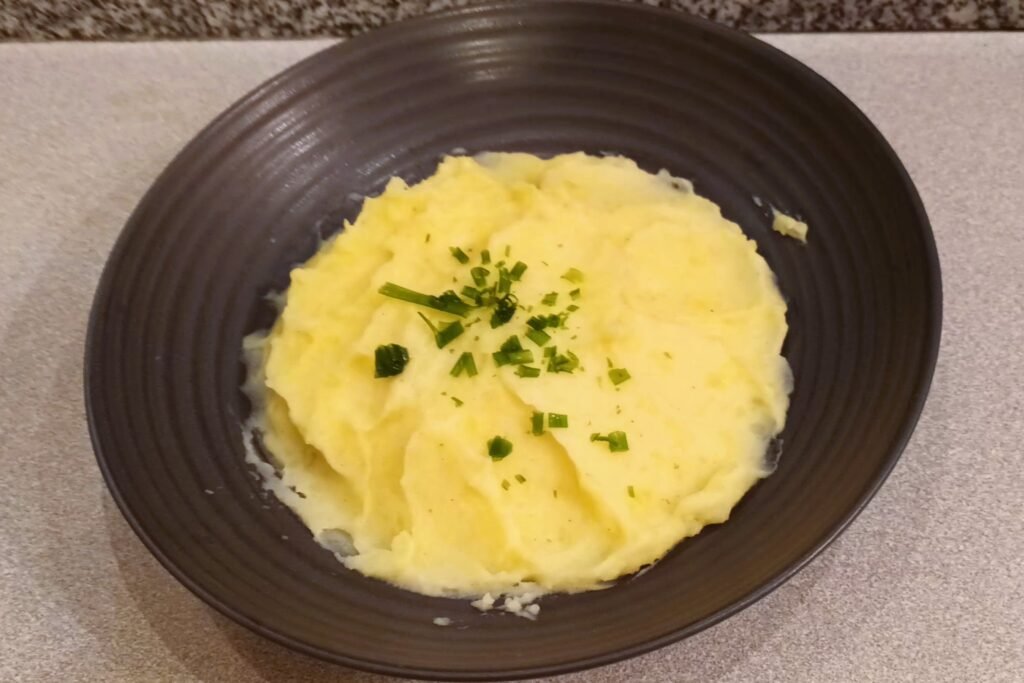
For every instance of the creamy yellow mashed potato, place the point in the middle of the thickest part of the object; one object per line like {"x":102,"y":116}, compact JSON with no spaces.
{"x":789,"y":226}
{"x":395,"y":472}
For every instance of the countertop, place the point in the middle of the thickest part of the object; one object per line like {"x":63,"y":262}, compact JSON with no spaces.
{"x":926,"y":585}
{"x":154,"y":19}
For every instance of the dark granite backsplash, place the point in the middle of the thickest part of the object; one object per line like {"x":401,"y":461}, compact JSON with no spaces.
{"x":149,"y":19}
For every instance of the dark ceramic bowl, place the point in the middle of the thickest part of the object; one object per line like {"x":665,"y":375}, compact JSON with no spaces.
{"x":253,"y":193}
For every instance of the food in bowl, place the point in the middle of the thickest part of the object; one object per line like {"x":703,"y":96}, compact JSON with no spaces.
{"x":522,"y":375}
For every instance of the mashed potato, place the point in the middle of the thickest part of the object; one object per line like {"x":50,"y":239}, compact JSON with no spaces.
{"x":673,"y":386}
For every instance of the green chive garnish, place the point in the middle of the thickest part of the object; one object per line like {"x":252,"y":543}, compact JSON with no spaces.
{"x":390,"y":360}
{"x":504,"y":309}
{"x":473,"y":294}
{"x":479,"y":276}
{"x":563,"y":362}
{"x":572,"y":308}
{"x":512,"y":357}
{"x":505,"y":484}
{"x":537,"y":322}
{"x":511,"y":344}
{"x":556,"y":421}
{"x":485,"y":257}
{"x":550,"y":299}
{"x":574,"y":294}
{"x":618,"y":375}
{"x":427,"y":238}
{"x":573,"y":275}
{"x":527,"y":371}
{"x":630,"y":491}
{"x":459,"y":255}
{"x":498,"y":448}
{"x":550,"y":351}
{"x":521,"y":479}
{"x":517,"y":271}
{"x":508,"y":250}
{"x":458,"y":402}
{"x":466,"y":364}
{"x":504,"y":282}
{"x":448,"y":333}
{"x":537,"y":423}
{"x":538,"y":337}
{"x":449,"y":302}
{"x":445,"y":334}
{"x":616,"y":441}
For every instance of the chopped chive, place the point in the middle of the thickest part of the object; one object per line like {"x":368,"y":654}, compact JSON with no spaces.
{"x":667,"y":355}
{"x":431,"y":325}
{"x":617,"y":441}
{"x":457,"y":401}
{"x":566,"y":362}
{"x":427,"y":238}
{"x":610,"y":363}
{"x":508,"y":250}
{"x":511,"y":344}
{"x":459,"y":255}
{"x":504,"y":309}
{"x":554,"y":492}
{"x":555,"y":320}
{"x":479,"y":276}
{"x":618,"y":375}
{"x":485,"y":256}
{"x":512,"y":357}
{"x":572,"y":308}
{"x":550,"y":351}
{"x":449,"y":333}
{"x":445,"y":334}
{"x":517,"y":271}
{"x":537,"y":423}
{"x":498,"y":448}
{"x":556,"y":421}
{"x":573,"y":275}
{"x":449,"y":302}
{"x":473,"y":294}
{"x":390,"y":360}
{"x":505,"y":484}
{"x":550,"y":299}
{"x":504,"y":281}
{"x":537,"y":322}
{"x":466,"y":364}
{"x":574,"y":294}
{"x":521,"y":479}
{"x":538,"y":337}
{"x":527,"y":371}
{"x":630,"y":491}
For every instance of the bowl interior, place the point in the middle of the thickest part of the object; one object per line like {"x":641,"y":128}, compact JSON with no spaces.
{"x":256,"y":191}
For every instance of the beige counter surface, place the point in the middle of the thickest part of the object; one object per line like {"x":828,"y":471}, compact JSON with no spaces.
{"x":927,"y":584}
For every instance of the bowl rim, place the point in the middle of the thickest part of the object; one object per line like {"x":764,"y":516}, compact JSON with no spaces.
{"x":768,"y":52}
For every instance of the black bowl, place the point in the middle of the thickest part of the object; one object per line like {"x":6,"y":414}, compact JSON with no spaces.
{"x":254,"y":192}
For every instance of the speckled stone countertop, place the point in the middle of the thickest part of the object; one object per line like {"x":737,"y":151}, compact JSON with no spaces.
{"x":926,"y":585}
{"x":149,"y":19}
